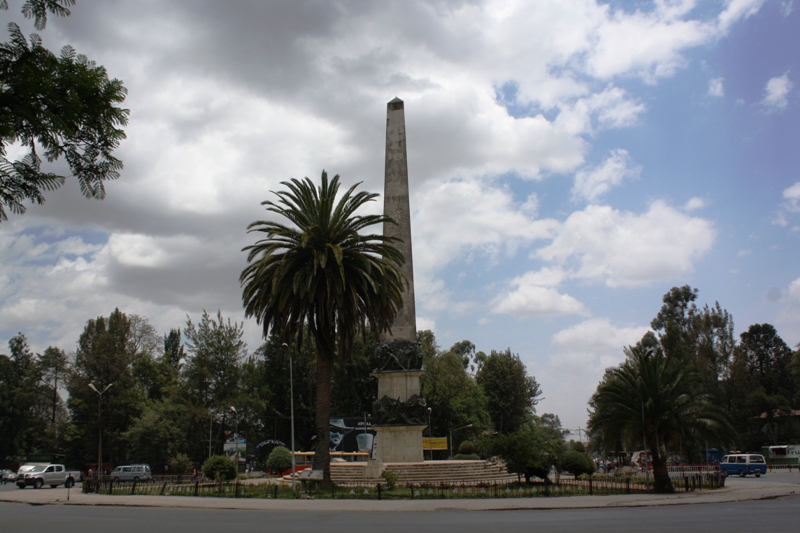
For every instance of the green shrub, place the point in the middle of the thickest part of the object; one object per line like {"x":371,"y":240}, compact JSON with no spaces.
{"x":279,"y":459}
{"x":180,"y":464}
{"x":466,"y":448}
{"x":577,"y":463}
{"x":220,"y":468}
{"x":390,"y":477}
{"x":466,"y":457}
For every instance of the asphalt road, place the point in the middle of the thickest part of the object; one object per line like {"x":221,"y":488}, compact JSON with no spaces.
{"x":772,"y":516}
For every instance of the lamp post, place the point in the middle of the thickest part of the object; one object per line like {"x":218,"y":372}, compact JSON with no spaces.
{"x":99,"y":424}
{"x":430,"y":433}
{"x":291,"y":410}
{"x":451,"y":437}
{"x":646,"y":453}
{"x":232,"y":410}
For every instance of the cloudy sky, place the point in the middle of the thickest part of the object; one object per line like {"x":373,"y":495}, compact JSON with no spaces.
{"x":570,"y":161}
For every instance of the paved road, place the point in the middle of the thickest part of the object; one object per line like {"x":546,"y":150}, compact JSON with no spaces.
{"x":773,"y":516}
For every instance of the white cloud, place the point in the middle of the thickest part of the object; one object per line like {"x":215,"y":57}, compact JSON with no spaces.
{"x":787,"y":6}
{"x":590,"y":184}
{"x":737,"y":10}
{"x":695,"y":203}
{"x":624,"y":249}
{"x":790,"y":206}
{"x":456,"y":218}
{"x":716,"y":87}
{"x":792,"y":196}
{"x":580,"y":354}
{"x":594,"y":342}
{"x":777,"y":92}
{"x":534,"y":294}
{"x":789,"y":314}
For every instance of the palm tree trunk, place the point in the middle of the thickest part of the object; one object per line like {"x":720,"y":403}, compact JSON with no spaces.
{"x":661,"y":481}
{"x":322,"y":457}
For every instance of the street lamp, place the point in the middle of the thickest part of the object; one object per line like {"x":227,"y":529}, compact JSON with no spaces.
{"x":430,"y":433}
{"x":451,"y":437}
{"x":291,"y":409}
{"x":232,"y":409}
{"x":99,"y":425}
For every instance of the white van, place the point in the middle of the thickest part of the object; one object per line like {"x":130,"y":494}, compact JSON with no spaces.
{"x":132,"y":473}
{"x":743,"y":464}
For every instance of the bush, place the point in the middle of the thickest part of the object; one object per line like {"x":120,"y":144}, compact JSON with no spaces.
{"x":576,"y":463}
{"x":220,"y":468}
{"x":466,"y":457}
{"x":279,"y":459}
{"x":466,"y":448}
{"x":180,"y":464}
{"x":390,"y":477}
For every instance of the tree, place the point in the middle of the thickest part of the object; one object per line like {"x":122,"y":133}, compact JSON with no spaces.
{"x":324,"y":274}
{"x":761,"y":388}
{"x":532,"y":451}
{"x":512,"y":394}
{"x":25,"y":403}
{"x":103,"y":357}
{"x":454,"y":397}
{"x":656,"y":402}
{"x":213,"y":367}
{"x":767,"y":359}
{"x":66,"y":105}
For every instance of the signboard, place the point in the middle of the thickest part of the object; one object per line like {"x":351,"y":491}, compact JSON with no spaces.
{"x":434,"y":443}
{"x":235,"y":446}
{"x":353,"y":435}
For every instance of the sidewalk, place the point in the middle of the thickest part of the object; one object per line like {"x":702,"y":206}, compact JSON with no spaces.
{"x":58,"y":496}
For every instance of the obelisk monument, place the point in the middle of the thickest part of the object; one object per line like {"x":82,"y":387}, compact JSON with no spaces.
{"x":400,"y":411}
{"x":396,"y":206}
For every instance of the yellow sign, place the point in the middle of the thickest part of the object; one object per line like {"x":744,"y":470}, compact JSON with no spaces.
{"x":435,"y":443}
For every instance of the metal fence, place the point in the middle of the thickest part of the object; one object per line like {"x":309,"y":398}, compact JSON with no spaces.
{"x":588,"y":485}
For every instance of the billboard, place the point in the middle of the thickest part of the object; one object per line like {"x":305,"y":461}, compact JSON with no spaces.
{"x":353,"y":435}
{"x":434,"y":443}
{"x":233,"y":444}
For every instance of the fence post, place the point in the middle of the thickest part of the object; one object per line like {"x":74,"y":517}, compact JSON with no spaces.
{"x":628,"y":485}
{"x":163,"y":488}
{"x":379,"y":491}
{"x":196,"y":487}
{"x":591,"y":493}
{"x":686,"y":483}
{"x":236,"y":492}
{"x":412,"y":491}
{"x":133,"y":488}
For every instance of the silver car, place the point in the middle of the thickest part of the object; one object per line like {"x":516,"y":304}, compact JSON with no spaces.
{"x":132,"y":473}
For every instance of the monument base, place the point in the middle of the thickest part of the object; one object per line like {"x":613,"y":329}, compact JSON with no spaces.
{"x":374,"y":469}
{"x":398,"y":384}
{"x":399,"y":444}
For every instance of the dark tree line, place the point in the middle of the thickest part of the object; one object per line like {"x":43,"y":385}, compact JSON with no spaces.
{"x":688,"y":385}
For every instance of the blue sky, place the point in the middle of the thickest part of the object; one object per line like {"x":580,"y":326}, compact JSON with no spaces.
{"x":570,"y":162}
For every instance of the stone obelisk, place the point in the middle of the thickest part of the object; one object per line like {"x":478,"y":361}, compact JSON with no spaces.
{"x":400,"y":410}
{"x":396,"y":206}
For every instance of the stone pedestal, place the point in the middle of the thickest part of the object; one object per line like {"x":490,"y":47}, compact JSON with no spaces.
{"x":399,"y":444}
{"x":400,"y":384}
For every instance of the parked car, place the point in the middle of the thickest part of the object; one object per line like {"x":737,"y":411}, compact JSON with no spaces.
{"x":137,"y":472}
{"x":53,"y":475}
{"x":743,"y":464}
{"x":9,"y":475}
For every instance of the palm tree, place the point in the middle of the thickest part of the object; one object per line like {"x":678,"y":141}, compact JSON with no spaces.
{"x":323,"y":274}
{"x":654,"y":401}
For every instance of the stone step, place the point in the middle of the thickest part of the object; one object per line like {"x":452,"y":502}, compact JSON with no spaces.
{"x":461,"y":472}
